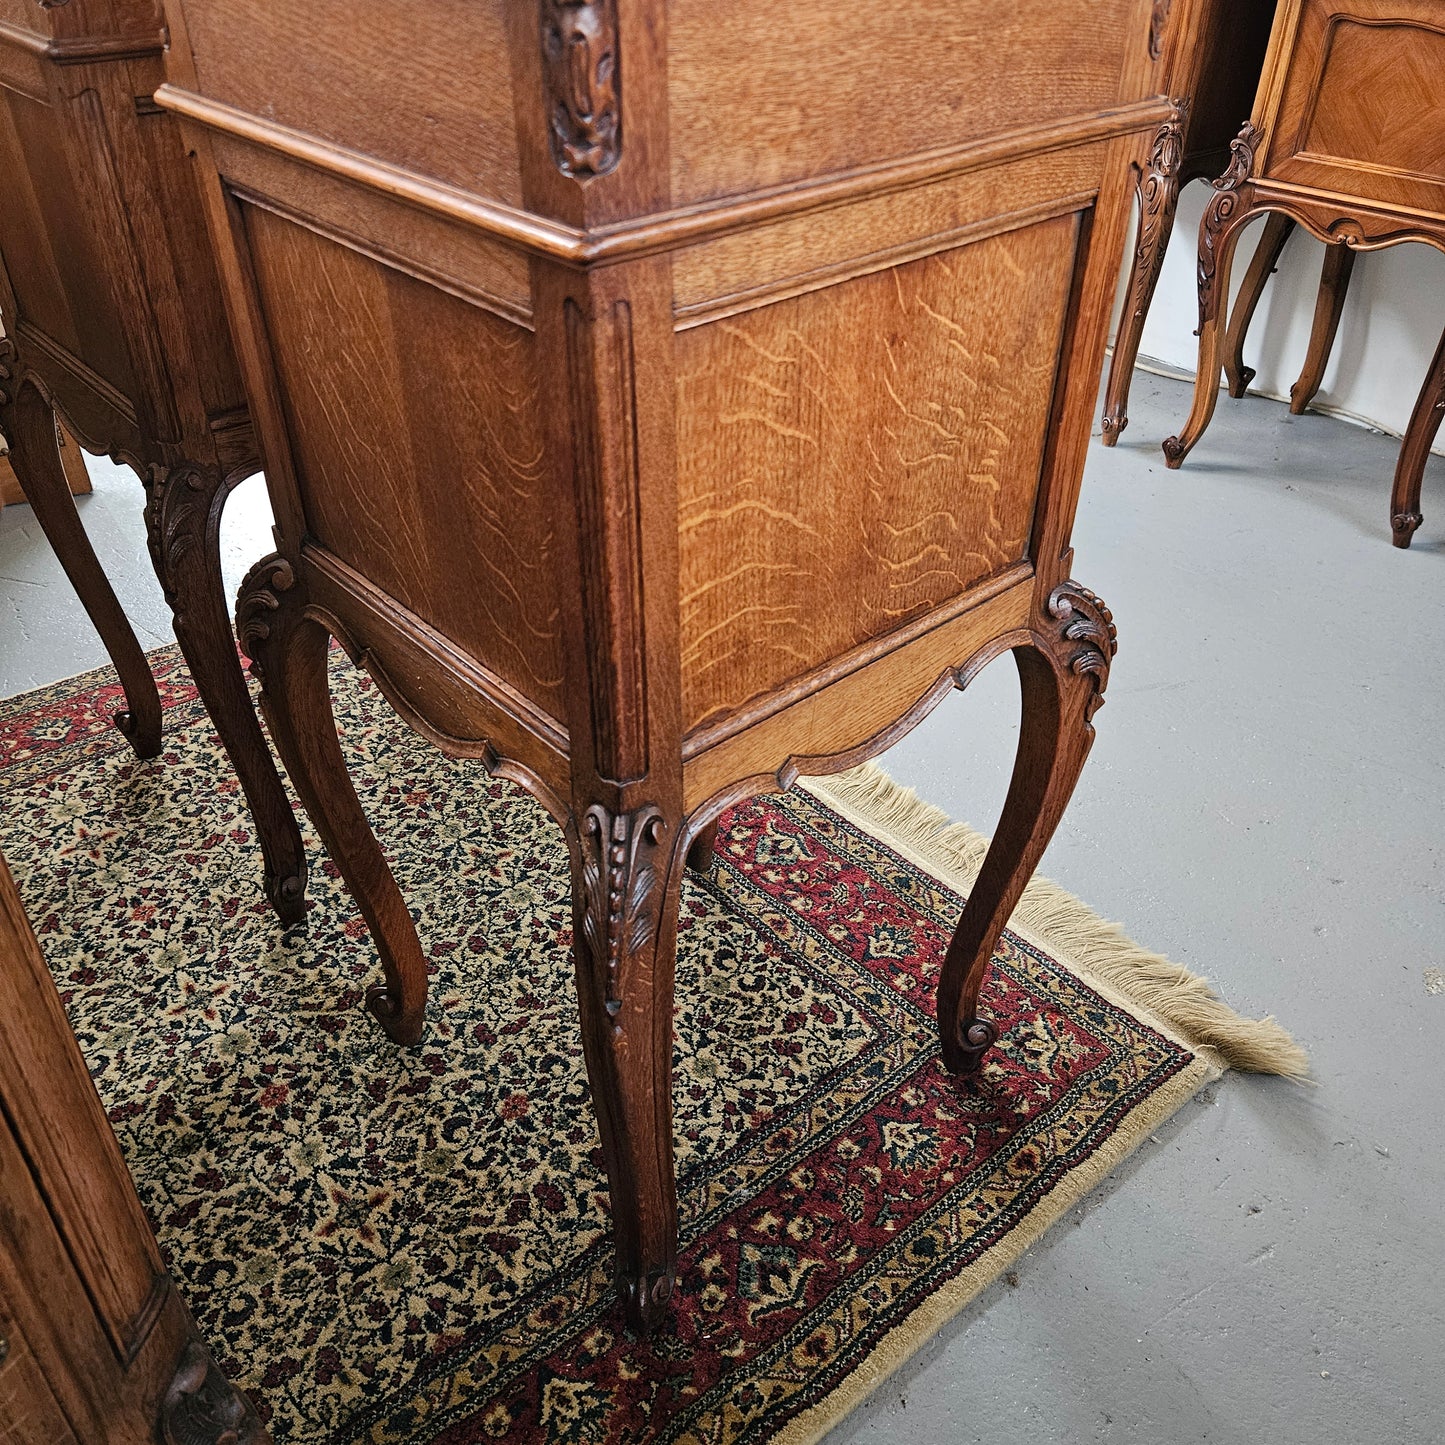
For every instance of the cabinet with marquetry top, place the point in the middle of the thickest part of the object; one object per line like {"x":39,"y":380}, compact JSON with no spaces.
{"x":662,"y":401}
{"x":1347,"y":139}
{"x":111,"y":318}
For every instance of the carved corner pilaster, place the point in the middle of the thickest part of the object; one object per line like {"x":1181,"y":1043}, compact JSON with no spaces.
{"x":582,"y":77}
{"x":1086,"y":636}
{"x":1230,"y":194}
{"x":262,"y":595}
{"x":202,"y":1407}
{"x":622,"y":892}
{"x":178,"y":513}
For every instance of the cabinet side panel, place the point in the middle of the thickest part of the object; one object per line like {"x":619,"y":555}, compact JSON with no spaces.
{"x":48,"y":245}
{"x":855,"y":458}
{"x":414,"y":427}
{"x":428,"y":89}
{"x":763,"y":93}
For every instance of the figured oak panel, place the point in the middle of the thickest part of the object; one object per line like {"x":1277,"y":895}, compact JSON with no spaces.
{"x":762,"y":94}
{"x":851,"y":459}
{"x":417,"y":446}
{"x":444,"y":68}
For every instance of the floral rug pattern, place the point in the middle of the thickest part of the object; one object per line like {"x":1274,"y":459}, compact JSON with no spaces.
{"x":387,"y":1245}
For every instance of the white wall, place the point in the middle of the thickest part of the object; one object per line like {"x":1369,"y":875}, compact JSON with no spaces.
{"x":1392,"y":321}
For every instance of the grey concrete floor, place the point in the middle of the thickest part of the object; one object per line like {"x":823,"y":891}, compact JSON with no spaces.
{"x":1265,"y":803}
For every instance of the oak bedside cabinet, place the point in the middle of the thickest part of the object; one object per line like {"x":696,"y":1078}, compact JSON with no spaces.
{"x":661,"y":401}
{"x":1347,"y":139}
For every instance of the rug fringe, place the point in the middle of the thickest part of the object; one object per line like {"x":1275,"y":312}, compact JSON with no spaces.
{"x":1180,"y":999}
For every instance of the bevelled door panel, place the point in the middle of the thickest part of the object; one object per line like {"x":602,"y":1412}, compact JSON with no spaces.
{"x":889,"y":431}
{"x":418,"y":446}
{"x":762,"y":94}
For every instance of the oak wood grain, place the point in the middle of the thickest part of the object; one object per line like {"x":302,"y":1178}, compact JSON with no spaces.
{"x":901,"y":420}
{"x":441,"y":419}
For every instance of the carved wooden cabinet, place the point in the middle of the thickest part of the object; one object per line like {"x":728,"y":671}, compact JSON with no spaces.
{"x":1212,"y":52}
{"x":662,"y":400}
{"x":96,"y":1346}
{"x":1347,"y":139}
{"x":114,"y":320}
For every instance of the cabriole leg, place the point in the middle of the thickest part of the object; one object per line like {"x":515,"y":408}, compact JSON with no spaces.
{"x":1277,"y":230}
{"x":29,"y":425}
{"x":1158,"y":195}
{"x":1339,"y":262}
{"x":625,"y":888}
{"x":183,"y":527}
{"x":1415,"y":451}
{"x":1062,"y":675}
{"x":288,"y":651}
{"x":1219,"y":232}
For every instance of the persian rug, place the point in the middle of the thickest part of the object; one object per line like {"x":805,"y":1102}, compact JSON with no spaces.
{"x":411,"y":1246}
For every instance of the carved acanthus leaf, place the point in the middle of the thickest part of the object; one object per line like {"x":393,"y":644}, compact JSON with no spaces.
{"x":1222,"y":206}
{"x":258,"y":602}
{"x":622,"y":891}
{"x":202,"y":1407}
{"x":580,"y":70}
{"x":178,"y":516}
{"x":1089,"y":634}
{"x":9,"y":357}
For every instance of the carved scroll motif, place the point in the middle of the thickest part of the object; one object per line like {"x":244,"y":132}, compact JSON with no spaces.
{"x":178,"y":517}
{"x":1088,"y":630}
{"x":623,"y":893}
{"x":9,"y":357}
{"x":202,"y":1407}
{"x":258,"y":602}
{"x":1158,"y":192}
{"x":583,"y":84}
{"x":1158,"y":24}
{"x":1222,"y":206}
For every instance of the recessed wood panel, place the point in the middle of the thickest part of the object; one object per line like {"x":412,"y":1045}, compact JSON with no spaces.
{"x":426,"y":88}
{"x":851,"y":459}
{"x":66,"y":297}
{"x":1381,"y":97}
{"x":417,"y":446}
{"x":762,"y":93}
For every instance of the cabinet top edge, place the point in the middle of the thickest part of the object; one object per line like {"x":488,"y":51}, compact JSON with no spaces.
{"x":664,"y":230}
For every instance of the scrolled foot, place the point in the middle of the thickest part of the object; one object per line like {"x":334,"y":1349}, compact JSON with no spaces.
{"x":401,"y":1026}
{"x":646,"y":1300}
{"x":975,"y":1038}
{"x":1113,"y":427}
{"x":287,"y":896}
{"x":1174,"y":453}
{"x":1239,"y":382}
{"x":144,"y":737}
{"x":1403,"y":525}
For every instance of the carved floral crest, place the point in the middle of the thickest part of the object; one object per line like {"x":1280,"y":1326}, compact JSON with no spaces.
{"x":580,"y":72}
